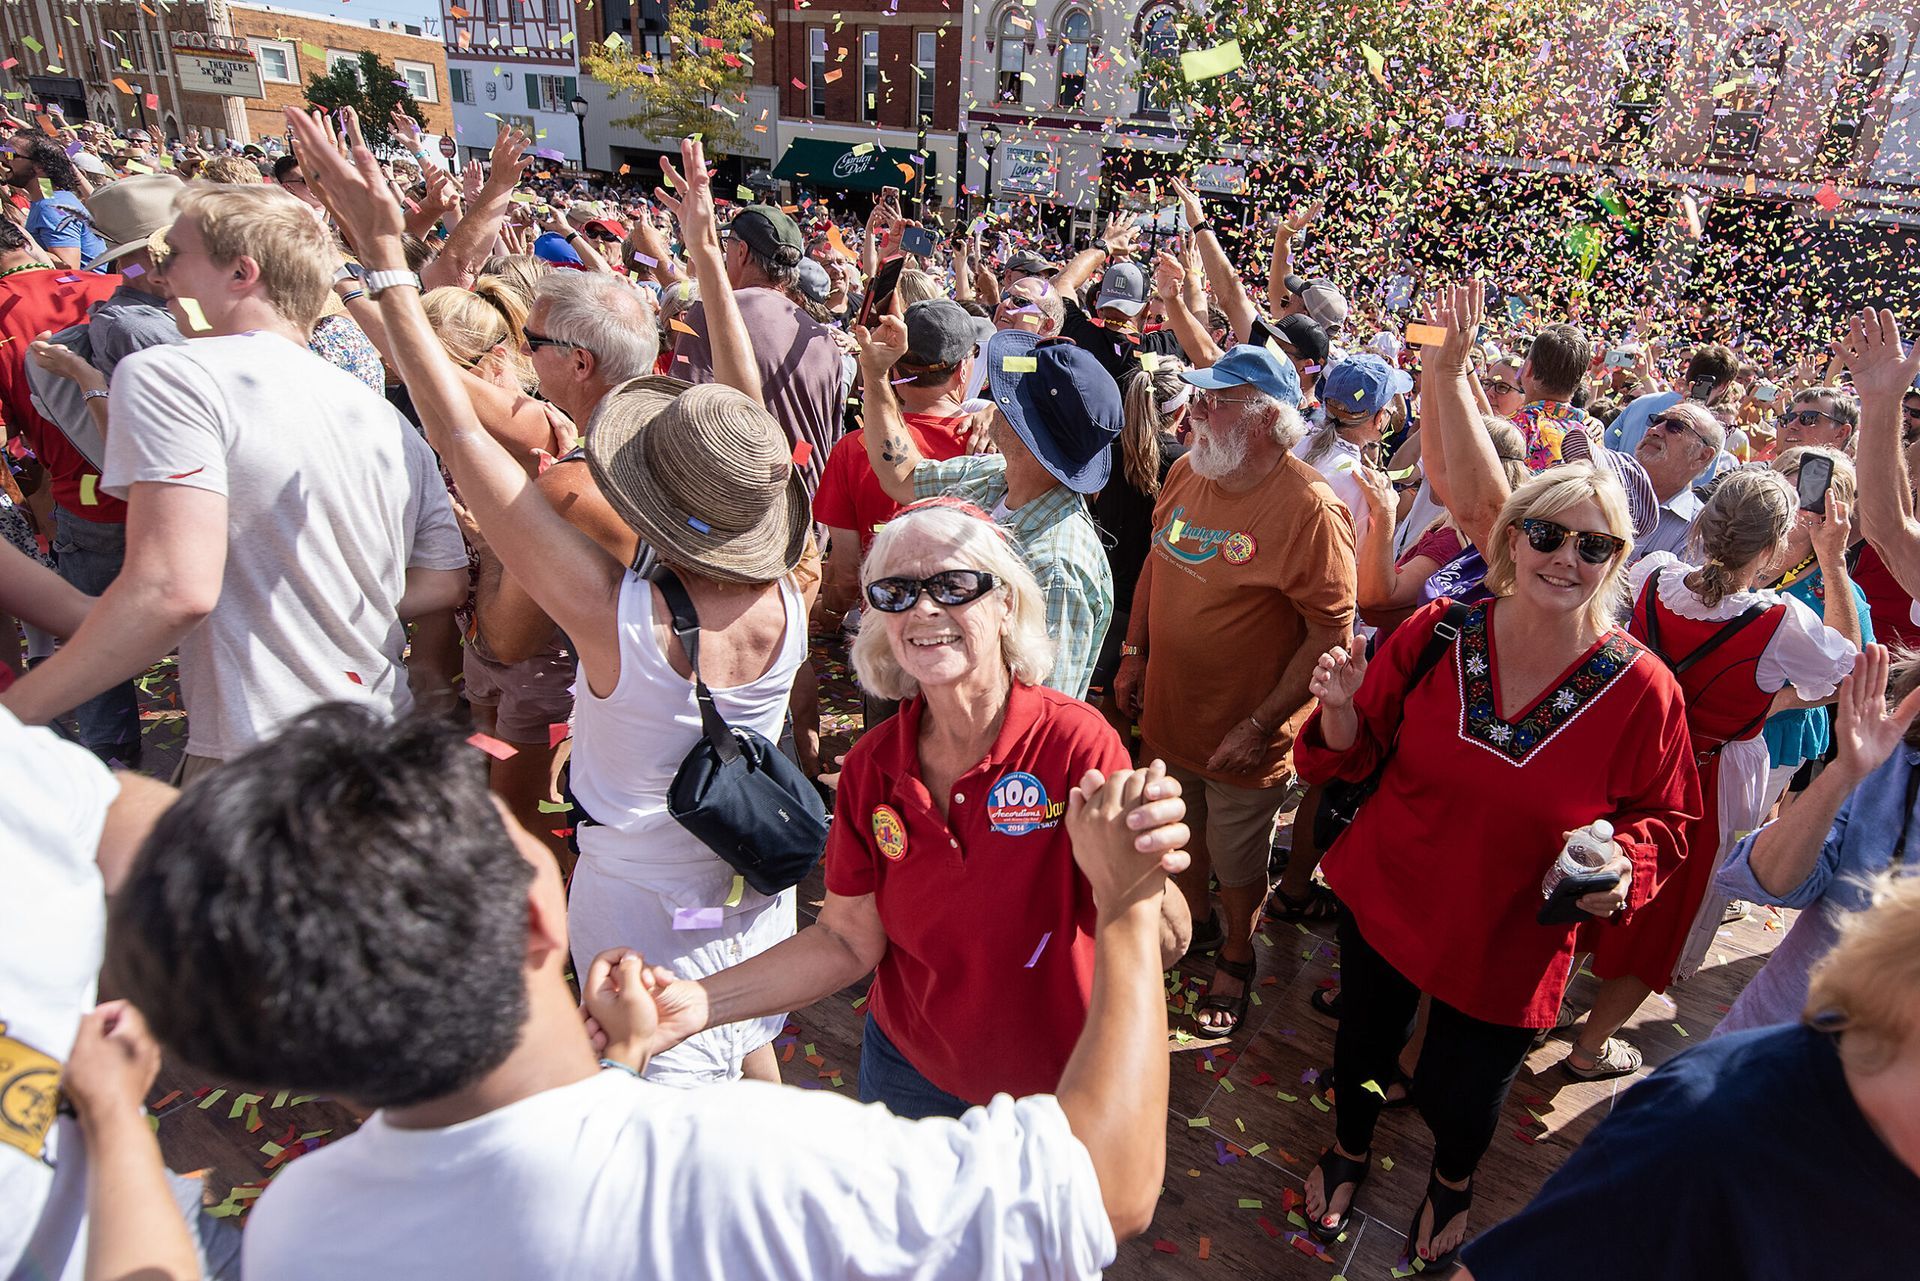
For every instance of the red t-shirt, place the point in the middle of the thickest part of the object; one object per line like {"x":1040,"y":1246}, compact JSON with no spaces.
{"x":850,"y":496}
{"x":31,"y":303}
{"x":1891,"y":607}
{"x":989,"y":964}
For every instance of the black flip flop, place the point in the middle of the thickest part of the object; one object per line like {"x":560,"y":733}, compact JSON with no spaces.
{"x":1235,"y":1007}
{"x":1448,"y":1205}
{"x":1320,"y":904}
{"x":1326,"y":1000}
{"x":1336,"y":1172}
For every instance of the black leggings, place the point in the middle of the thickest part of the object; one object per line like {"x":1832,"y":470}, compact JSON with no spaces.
{"x":1466,"y":1064}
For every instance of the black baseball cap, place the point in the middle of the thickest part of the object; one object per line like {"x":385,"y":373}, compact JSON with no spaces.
{"x":766,"y":230}
{"x":1029,"y":263}
{"x":1306,"y":335}
{"x":939,"y":332}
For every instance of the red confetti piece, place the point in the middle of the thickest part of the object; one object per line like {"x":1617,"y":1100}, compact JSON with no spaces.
{"x":557,"y":733}
{"x":1268,"y":1228}
{"x":355,"y":678}
{"x":802,"y":452}
{"x":1166,"y":1247}
{"x":161,"y":1105}
{"x":493,"y":747}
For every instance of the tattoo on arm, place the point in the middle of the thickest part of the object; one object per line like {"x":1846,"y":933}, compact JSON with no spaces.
{"x":894,"y":449}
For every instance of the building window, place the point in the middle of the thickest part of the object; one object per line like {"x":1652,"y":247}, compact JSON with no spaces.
{"x":1853,"y":95}
{"x":1013,"y":55}
{"x":276,"y":62}
{"x":1159,"y":46}
{"x":1076,"y":33}
{"x":926,"y":58}
{"x":869,"y":75}
{"x":133,"y":50}
{"x":460,"y":83}
{"x":551,"y":93}
{"x":419,"y":78}
{"x":817,"y":72}
{"x":1646,"y":55}
{"x":338,"y":58}
{"x":159,"y":52}
{"x":1755,"y":66}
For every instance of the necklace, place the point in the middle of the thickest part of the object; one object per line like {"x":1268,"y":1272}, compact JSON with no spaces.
{"x":1793,"y":575}
{"x":25,"y":266}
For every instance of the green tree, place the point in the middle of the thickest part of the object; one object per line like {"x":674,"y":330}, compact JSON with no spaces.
{"x":699,"y":87}
{"x":371,"y":88}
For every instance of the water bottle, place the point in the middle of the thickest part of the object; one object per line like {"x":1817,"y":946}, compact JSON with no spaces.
{"x":1586,"y":850}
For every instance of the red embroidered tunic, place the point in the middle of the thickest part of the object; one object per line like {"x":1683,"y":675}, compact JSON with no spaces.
{"x":1442,"y":865}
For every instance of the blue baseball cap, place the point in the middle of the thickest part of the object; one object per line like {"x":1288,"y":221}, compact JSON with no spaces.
{"x":551,"y":246}
{"x":1066,"y":409}
{"x":1361,"y":386}
{"x":1250,"y":366}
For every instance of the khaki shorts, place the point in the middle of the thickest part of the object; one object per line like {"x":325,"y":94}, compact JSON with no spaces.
{"x":1235,"y":822}
{"x":528,"y":696}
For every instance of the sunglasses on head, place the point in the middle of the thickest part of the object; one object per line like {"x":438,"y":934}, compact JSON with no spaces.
{"x":949,"y":587}
{"x":1545,"y":537}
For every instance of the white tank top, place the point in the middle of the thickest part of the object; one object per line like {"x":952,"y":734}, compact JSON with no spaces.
{"x":628,"y":746}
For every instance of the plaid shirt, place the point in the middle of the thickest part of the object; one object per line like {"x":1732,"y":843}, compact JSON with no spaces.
{"x":1055,"y":536}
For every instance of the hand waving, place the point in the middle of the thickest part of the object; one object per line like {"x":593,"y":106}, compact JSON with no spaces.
{"x":1865,"y":731}
{"x":1337,"y":676}
{"x":1881,"y":367}
{"x":353,"y":189}
{"x":693,"y":206}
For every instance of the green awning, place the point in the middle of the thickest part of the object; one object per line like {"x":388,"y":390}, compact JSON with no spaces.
{"x":862,"y":166}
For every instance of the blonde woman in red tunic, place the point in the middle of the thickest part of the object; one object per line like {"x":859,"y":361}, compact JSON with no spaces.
{"x":1511,"y":741}
{"x":1734,"y":648}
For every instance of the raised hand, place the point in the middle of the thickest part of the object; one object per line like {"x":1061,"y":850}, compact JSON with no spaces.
{"x":1459,"y":310}
{"x":1865,"y":731}
{"x":1128,"y":833}
{"x":353,"y":189}
{"x":509,"y":161}
{"x":472,"y":179}
{"x":405,"y":127}
{"x":691,"y":198}
{"x":1337,"y":676}
{"x":1118,"y":235}
{"x":1299,"y":220}
{"x":1168,"y":276}
{"x":1831,"y":531}
{"x":882,"y":345}
{"x":1190,"y":205}
{"x":1874,"y":355}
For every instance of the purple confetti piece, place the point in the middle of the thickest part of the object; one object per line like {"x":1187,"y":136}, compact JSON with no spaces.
{"x":1035,"y":958}
{"x":133,"y":269}
{"x":1309,"y":1076}
{"x":75,"y":148}
{"x":697,"y":918}
{"x":1456,"y":119}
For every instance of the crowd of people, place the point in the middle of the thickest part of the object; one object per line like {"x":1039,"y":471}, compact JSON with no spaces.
{"x":490,"y":529}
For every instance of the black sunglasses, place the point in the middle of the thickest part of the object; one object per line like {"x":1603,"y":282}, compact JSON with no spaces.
{"x":1673,"y":427}
{"x":536,"y":341}
{"x":1545,"y":537}
{"x":1806,"y":417}
{"x":949,"y":587}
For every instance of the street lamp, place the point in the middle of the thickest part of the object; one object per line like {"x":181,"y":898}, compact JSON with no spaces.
{"x":579,"y":106}
{"x":990,"y":139}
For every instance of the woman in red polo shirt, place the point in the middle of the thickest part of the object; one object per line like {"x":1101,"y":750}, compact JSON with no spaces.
{"x":1512,"y":740}
{"x":949,"y":869}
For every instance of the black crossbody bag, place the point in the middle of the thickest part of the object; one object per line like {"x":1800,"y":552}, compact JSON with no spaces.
{"x":735,"y":791}
{"x":1340,"y":801}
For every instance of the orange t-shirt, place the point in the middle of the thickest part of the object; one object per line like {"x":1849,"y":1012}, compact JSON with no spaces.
{"x":1237,"y":579}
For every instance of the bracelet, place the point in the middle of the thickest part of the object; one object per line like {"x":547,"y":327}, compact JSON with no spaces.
{"x":98,"y":393}
{"x":1205,"y":224}
{"x":620,"y":1067}
{"x":353,"y":295}
{"x":1255,"y":722}
{"x":1131,"y":651}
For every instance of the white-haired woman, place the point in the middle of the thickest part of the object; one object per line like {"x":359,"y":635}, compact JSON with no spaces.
{"x":1733,"y":647}
{"x":949,"y":869}
{"x":1528,"y":703}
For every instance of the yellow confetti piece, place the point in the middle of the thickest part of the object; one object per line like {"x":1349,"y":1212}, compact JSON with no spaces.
{"x":1205,"y":64}
{"x":1682,"y":1031}
{"x":1256,"y":1149}
{"x":739,"y":888}
{"x":89,"y":497}
{"x":1174,"y":530}
{"x":1019,"y":364}
{"x":195,"y":317}
{"x":1199,"y":1123}
{"x":1386,"y":1163}
{"x":1252,"y":1203}
{"x":1374,"y":1086}
{"x":1149,"y":360}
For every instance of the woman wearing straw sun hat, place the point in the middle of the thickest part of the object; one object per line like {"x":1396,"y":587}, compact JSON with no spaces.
{"x":705,"y":477}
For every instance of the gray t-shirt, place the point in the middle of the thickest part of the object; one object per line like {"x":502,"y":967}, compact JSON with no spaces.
{"x":800,"y":369}
{"x":128,"y":320}
{"x":331,"y":497}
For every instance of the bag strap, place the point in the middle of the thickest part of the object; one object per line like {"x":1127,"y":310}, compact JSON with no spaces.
{"x":1752,"y":614}
{"x":686,"y":626}
{"x":1445,"y":633}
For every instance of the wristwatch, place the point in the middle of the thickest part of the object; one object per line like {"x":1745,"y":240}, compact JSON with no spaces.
{"x":378,"y":282}
{"x":1205,"y":224}
{"x":349,"y":271}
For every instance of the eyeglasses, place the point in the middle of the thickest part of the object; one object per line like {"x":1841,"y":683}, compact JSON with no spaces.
{"x":536,"y":341}
{"x":1545,"y":537}
{"x":1214,"y":398}
{"x":1673,"y":427}
{"x":949,"y":587}
{"x":1912,"y":412}
{"x":1500,"y":386}
{"x":1806,"y":417}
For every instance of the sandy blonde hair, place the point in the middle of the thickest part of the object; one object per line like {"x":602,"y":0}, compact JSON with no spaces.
{"x":471,"y":324}
{"x":1025,"y":646}
{"x":234,"y":170}
{"x":1546,"y":496}
{"x":1868,"y":986}
{"x":1748,"y":516}
{"x":293,"y":251}
{"x":917,"y":286}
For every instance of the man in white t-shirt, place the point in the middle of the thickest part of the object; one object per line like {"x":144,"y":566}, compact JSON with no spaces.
{"x":425,"y":977}
{"x":69,"y":828}
{"x":282,"y":518}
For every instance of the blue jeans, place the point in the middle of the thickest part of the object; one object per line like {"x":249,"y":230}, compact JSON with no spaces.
{"x":89,"y":554}
{"x":886,"y":1077}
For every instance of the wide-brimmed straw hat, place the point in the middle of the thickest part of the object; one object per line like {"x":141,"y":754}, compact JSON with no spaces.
{"x":702,"y":473}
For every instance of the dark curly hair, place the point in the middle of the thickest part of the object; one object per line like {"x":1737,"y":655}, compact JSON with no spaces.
{"x":342,"y":909}
{"x":51,"y":160}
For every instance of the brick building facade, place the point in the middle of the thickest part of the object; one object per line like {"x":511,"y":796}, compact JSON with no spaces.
{"x":295,"y":47}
